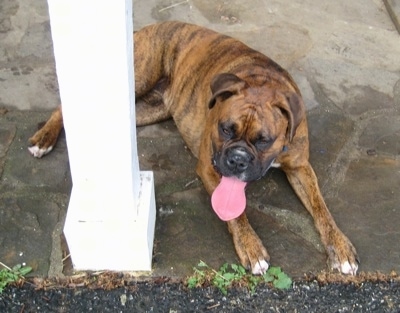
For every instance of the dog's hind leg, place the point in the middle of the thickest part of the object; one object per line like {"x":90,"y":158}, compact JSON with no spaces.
{"x":150,"y":108}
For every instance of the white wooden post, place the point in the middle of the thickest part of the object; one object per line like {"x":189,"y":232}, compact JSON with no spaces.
{"x":111,"y":214}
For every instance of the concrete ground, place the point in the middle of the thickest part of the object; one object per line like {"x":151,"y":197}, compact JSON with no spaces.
{"x":345,"y":57}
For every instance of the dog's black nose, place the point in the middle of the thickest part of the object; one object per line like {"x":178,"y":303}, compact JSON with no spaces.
{"x":238,"y":160}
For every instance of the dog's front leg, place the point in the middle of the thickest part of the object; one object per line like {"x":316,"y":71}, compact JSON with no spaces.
{"x":44,"y":140}
{"x":248,"y":245}
{"x":342,"y":254}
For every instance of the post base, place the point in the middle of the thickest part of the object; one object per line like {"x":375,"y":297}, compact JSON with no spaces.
{"x":111,"y":241}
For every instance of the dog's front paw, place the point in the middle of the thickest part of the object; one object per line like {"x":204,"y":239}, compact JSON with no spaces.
{"x":260,"y":268}
{"x":248,"y":245}
{"x":252,"y":254}
{"x":42,"y":142}
{"x":38,"y":152}
{"x":342,"y":254}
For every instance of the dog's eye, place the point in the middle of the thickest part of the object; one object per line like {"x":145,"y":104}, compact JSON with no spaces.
{"x":264,"y":143}
{"x":227,"y":131}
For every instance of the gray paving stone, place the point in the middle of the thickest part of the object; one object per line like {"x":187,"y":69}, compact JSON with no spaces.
{"x":393,"y":8}
{"x":345,"y":57}
{"x":27,"y":221}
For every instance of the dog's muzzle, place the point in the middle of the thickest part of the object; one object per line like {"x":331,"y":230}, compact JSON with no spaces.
{"x":238,"y":160}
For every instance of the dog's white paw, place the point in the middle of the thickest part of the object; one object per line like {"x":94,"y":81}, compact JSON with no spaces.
{"x":260,"y":268}
{"x":39,"y":152}
{"x":348,"y":269}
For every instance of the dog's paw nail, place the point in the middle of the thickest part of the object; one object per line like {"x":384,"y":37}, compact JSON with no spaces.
{"x":348,"y":269}
{"x":39,"y":152}
{"x":260,"y":268}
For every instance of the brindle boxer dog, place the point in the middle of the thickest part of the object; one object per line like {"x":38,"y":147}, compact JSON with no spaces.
{"x":252,"y":118}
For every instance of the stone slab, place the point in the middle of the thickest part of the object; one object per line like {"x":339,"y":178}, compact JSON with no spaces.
{"x":393,"y":8}
{"x":353,"y":106}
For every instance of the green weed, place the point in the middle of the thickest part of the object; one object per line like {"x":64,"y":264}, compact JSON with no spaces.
{"x":11,"y":275}
{"x":235,"y":275}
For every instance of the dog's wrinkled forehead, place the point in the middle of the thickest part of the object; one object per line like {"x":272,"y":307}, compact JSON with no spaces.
{"x":231,"y":94}
{"x":251,"y":120}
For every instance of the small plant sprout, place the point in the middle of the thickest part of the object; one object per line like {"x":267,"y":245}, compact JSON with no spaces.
{"x":230,"y":275}
{"x":12,"y":275}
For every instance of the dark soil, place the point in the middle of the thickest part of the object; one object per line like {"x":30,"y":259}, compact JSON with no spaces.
{"x":166,"y":296}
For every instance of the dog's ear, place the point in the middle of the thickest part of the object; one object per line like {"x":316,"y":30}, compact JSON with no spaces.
{"x":225,"y":85}
{"x":293,"y":107}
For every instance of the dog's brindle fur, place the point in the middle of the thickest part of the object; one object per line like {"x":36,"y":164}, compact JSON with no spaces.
{"x":253,"y":103}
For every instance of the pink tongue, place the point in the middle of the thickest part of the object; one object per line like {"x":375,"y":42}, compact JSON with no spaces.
{"x":228,"y":199}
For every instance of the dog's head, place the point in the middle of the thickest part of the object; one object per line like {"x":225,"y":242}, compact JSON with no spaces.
{"x":251,"y":125}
